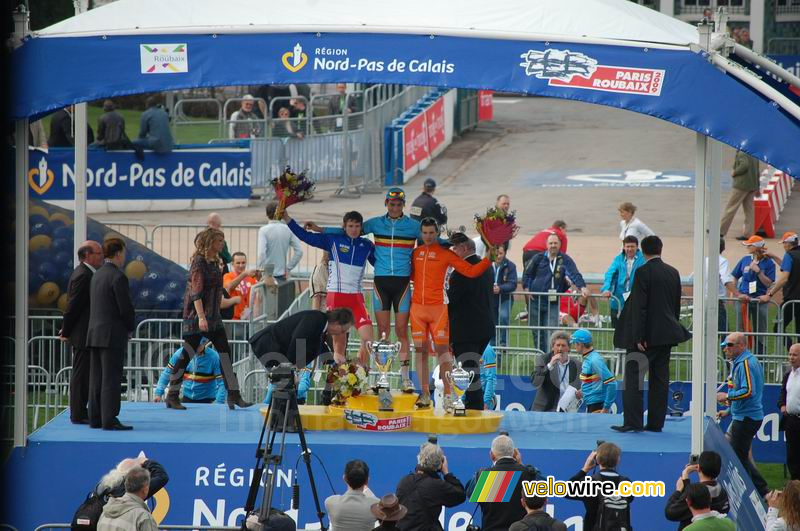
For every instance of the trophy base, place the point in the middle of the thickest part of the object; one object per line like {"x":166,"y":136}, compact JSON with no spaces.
{"x":460,"y":412}
{"x":385,"y":400}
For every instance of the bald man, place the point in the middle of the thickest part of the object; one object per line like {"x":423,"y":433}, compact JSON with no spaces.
{"x":75,"y":325}
{"x":214,"y":221}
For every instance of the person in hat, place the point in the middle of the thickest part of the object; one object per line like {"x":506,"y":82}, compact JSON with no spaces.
{"x":788,"y":281}
{"x":744,"y":190}
{"x":754,"y":275}
{"x":598,"y":383}
{"x":427,"y":206}
{"x":388,"y":511}
{"x":245,"y":122}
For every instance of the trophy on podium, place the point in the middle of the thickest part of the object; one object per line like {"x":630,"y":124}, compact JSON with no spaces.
{"x":383,"y":354}
{"x":460,"y":381}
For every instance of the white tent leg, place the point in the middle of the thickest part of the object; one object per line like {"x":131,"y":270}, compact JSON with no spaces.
{"x":712,"y":220}
{"x":81,"y":146}
{"x":698,"y":304}
{"x":21,"y":286}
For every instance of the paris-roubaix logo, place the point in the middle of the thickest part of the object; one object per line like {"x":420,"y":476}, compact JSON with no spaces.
{"x":641,"y":178}
{"x":295,"y":59}
{"x":164,"y":58}
{"x":564,"y":68}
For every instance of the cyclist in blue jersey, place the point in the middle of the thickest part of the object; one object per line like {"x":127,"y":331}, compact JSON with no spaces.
{"x":395,"y":236}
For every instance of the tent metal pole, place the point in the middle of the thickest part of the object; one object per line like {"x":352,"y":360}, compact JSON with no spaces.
{"x":21,"y":262}
{"x":713,"y":209}
{"x":765,"y":63}
{"x":81,"y":145}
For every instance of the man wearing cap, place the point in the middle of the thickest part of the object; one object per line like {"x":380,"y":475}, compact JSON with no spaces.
{"x":426,"y":206}
{"x":745,"y":187}
{"x":754,"y":273}
{"x":598,"y":383}
{"x":244,"y":122}
{"x":788,"y":281}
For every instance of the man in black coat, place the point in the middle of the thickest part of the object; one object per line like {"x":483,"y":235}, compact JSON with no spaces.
{"x":75,"y":326}
{"x":470,"y":311}
{"x":647,"y":329}
{"x":553,"y":372}
{"x":61,"y":133}
{"x":300,"y":338}
{"x":111,"y":321}
{"x":497,"y":516}
{"x":427,"y":206}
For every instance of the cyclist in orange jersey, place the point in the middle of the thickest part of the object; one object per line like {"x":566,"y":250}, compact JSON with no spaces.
{"x":429,"y":319}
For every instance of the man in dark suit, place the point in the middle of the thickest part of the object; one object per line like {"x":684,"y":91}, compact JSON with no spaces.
{"x":553,"y":372}
{"x":647,"y":329}
{"x":789,"y":404}
{"x":470,"y":311}
{"x":75,"y":326}
{"x":111,"y":321}
{"x":505,"y":457}
{"x":61,"y":133}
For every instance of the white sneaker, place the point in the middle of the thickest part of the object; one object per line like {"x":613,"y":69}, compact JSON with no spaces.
{"x":408,"y":386}
{"x":449,"y":404}
{"x":424,"y":401}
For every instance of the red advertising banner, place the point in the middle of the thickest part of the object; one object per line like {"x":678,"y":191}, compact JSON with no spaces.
{"x":434,"y":116}
{"x":485,"y":105}
{"x":415,"y":142}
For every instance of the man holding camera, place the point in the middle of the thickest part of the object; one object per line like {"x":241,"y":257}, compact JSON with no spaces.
{"x":707,"y":466}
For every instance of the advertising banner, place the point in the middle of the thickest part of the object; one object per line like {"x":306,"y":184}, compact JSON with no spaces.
{"x":415,"y":144}
{"x":485,"y":105}
{"x":434,"y":119}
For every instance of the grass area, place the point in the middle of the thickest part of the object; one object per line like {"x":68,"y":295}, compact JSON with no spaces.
{"x":773,"y":473}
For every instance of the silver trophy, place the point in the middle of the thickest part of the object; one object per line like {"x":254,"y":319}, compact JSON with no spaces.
{"x":460,"y":381}
{"x":383,"y":354}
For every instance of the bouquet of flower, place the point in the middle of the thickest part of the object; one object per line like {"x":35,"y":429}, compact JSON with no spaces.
{"x":496,"y":227}
{"x":346,"y":380}
{"x":291,"y":188}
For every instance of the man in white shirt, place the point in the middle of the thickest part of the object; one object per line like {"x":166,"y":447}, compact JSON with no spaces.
{"x":351,"y":511}
{"x":789,"y":402}
{"x":274,"y":241}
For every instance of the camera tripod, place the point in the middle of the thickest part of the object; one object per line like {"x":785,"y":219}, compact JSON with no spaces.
{"x":283,"y":410}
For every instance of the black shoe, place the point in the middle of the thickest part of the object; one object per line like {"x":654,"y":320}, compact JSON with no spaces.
{"x":80,"y":421}
{"x":741,"y":238}
{"x":626,"y":429}
{"x":95,"y":426}
{"x":650,"y":428}
{"x":118,"y":427}
{"x":301,"y":401}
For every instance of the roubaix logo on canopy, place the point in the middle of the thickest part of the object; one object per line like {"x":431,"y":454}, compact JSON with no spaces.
{"x":563,"y":68}
{"x":327,"y":59}
{"x":164,"y":58}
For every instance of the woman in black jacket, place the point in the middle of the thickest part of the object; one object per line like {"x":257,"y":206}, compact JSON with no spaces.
{"x":424,"y":491}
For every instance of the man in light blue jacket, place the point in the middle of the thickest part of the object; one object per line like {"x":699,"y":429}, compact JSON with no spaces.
{"x":619,"y":277}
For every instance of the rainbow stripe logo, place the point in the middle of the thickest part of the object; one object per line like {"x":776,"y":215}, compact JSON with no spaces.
{"x":495,"y":486}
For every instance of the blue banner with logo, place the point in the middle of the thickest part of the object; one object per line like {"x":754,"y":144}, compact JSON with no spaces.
{"x":115,"y":175}
{"x":673,"y":84}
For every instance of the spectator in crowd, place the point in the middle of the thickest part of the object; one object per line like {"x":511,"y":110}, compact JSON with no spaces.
{"x":154,"y":130}
{"x":214,"y":221}
{"x":129,"y":512}
{"x":553,"y":373}
{"x":503,"y":202}
{"x":618,"y":279}
{"x":505,"y":457}
{"x":745,"y":388}
{"x":284,"y":127}
{"x":340,"y":105}
{"x":319,"y":283}
{"x":37,"y":137}
{"x":75,"y":326}
{"x":648,"y":328}
{"x":698,"y":499}
{"x":239,"y":282}
{"x":62,"y":129}
{"x":789,"y":404}
{"x":745,"y":187}
{"x":707,"y":468}
{"x":111,"y":129}
{"x":352,"y":511}
{"x":598,"y":384}
{"x":755,"y":274}
{"x":113,"y":483}
{"x":611,"y":512}
{"x":630,"y":225}
{"x":202,"y":379}
{"x":725,"y":280}
{"x":427,"y":206}
{"x":784,"y":508}
{"x":708,"y":14}
{"x":470,"y":313}
{"x":425,"y":490}
{"x":547,"y":273}
{"x":536,"y":517}
{"x":245,"y":122}
{"x":489,"y":377}
{"x":274,"y":241}
{"x":538,"y":243}
{"x":298,"y":113}
{"x":265,"y":94}
{"x":388,"y":511}
{"x":504,"y":274}
{"x":572,"y":309}
{"x":744,"y":38}
{"x":111,"y":321}
{"x":789,"y":282}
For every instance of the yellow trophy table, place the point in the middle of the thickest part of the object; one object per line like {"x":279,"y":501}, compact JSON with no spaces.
{"x":361,"y":414}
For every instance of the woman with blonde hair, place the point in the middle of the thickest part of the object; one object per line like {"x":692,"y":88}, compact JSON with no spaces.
{"x":201,"y":317}
{"x":784,"y":508}
{"x":630,"y":225}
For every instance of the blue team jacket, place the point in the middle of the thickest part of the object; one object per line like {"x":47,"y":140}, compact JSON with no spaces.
{"x":202,"y":378}
{"x":489,"y":376}
{"x":598,"y":384}
{"x":745,"y":386}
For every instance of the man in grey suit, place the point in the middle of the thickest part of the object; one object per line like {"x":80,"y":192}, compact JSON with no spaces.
{"x":351,"y":510}
{"x":554,"y":372}
{"x":111,"y":321}
{"x":75,"y":325}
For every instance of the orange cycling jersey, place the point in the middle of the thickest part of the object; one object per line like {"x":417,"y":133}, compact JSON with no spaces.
{"x":429,"y":265}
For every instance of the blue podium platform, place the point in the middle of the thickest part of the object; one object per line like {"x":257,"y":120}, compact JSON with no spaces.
{"x":209,"y":453}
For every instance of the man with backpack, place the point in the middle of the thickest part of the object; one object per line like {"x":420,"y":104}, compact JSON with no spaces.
{"x":129,"y":512}
{"x":537,"y":518}
{"x":612,"y":513}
